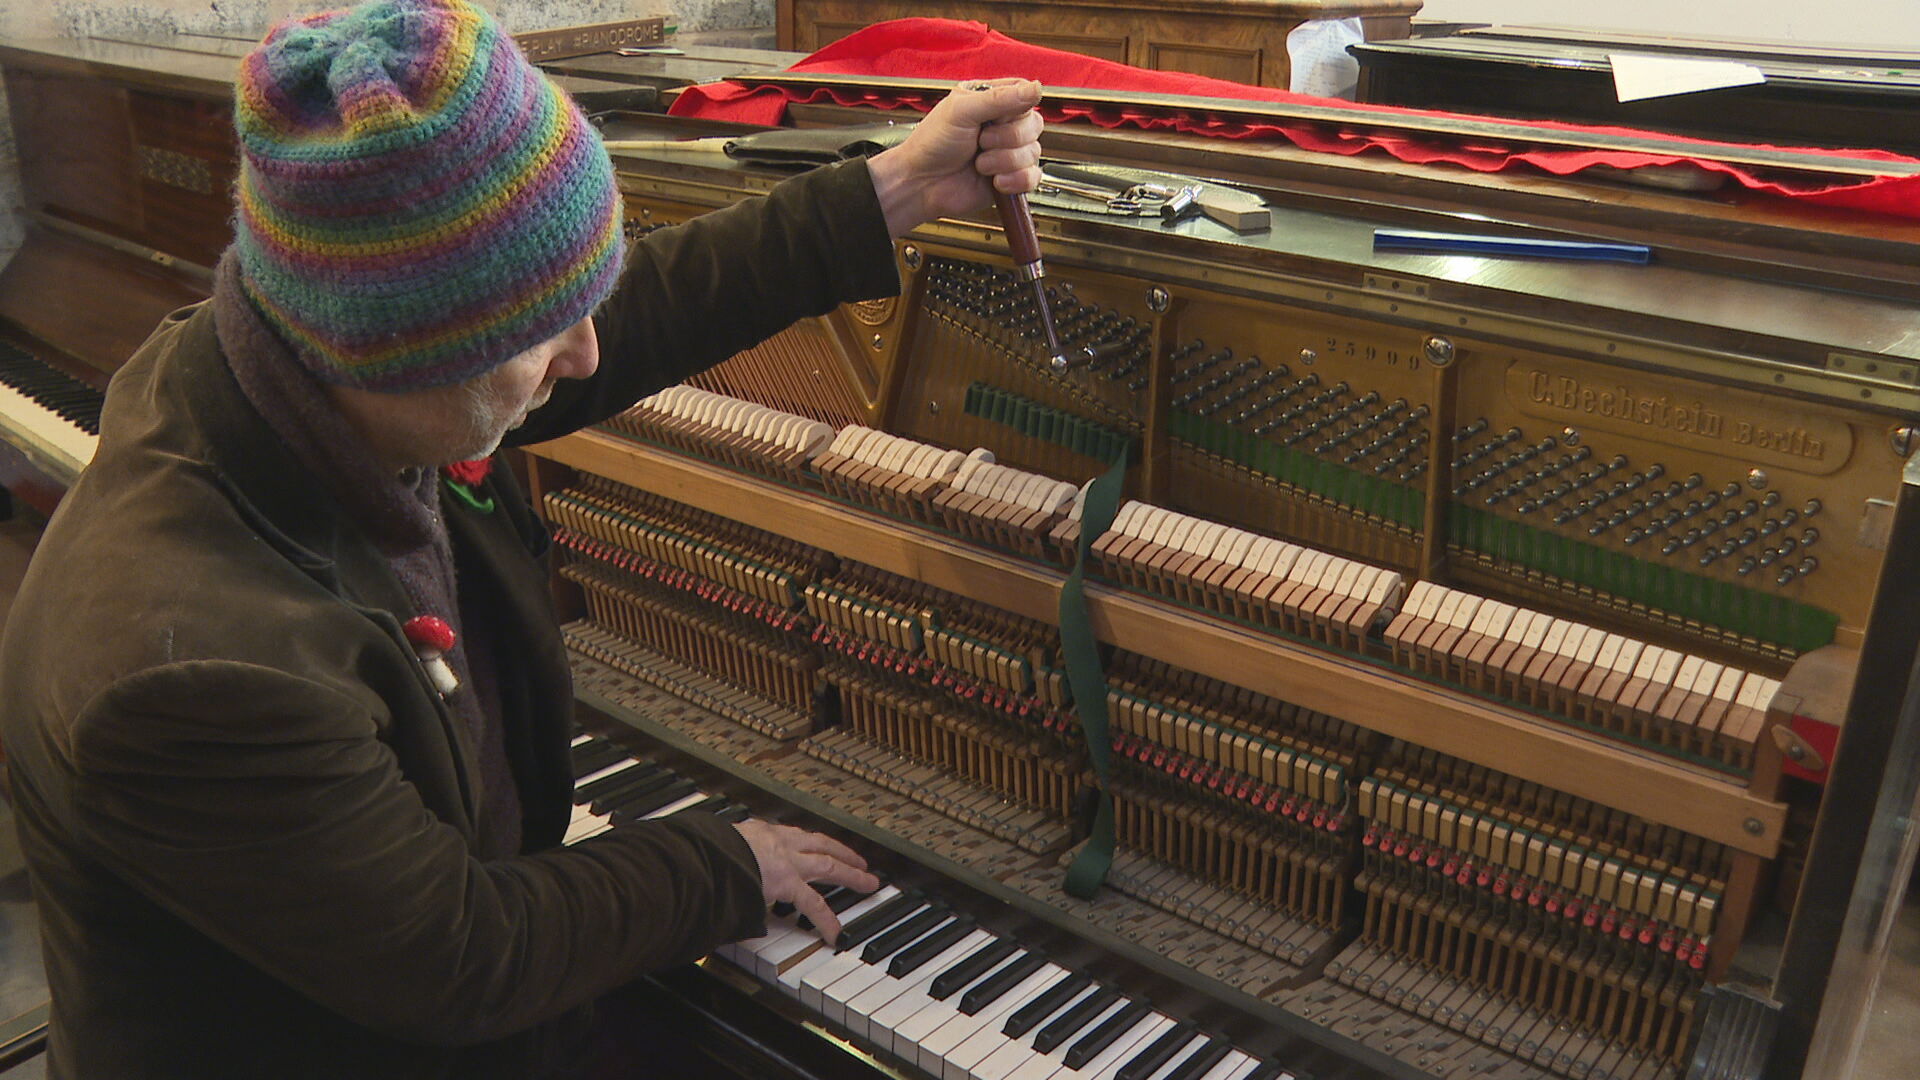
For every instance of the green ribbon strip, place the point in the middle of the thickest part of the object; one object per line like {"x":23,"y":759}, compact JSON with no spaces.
{"x":1089,"y":679}
{"x":482,"y":503}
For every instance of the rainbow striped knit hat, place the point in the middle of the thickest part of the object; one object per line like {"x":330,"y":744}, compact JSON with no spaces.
{"x":416,"y":202}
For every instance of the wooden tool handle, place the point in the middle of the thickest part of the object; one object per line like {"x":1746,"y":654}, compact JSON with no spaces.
{"x":1017,"y":220}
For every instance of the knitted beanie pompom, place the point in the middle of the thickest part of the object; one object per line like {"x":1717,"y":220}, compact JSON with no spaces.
{"x":416,"y":202}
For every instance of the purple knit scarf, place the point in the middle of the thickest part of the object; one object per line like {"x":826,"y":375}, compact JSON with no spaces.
{"x":400,"y":513}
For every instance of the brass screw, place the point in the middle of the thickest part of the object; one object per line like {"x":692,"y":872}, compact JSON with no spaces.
{"x":1439,"y":351}
{"x":1757,"y":479}
{"x":1159,"y":300}
{"x":878,"y":343}
{"x":911,"y":256}
{"x":1904,"y":438}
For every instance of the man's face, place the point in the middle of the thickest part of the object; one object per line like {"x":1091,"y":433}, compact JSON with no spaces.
{"x":467,"y":420}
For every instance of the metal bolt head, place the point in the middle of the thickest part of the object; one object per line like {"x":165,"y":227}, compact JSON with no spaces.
{"x":1570,"y":436}
{"x":1904,"y":438}
{"x":646,"y":212}
{"x":1439,"y":351}
{"x":911,"y":256}
{"x":1158,"y":300}
{"x":1754,"y":826}
{"x":877,"y":342}
{"x":1757,"y":479}
{"x":933,"y":408}
{"x":1308,"y":356}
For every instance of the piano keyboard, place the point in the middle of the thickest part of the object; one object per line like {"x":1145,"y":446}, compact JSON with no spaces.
{"x":49,"y":414}
{"x":918,"y":981}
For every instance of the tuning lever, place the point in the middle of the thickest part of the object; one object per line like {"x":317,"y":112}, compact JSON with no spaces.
{"x":1016,"y":219}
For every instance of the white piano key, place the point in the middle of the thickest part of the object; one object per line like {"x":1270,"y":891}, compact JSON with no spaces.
{"x":675,"y":807}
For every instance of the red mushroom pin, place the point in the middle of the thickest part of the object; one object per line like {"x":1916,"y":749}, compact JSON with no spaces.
{"x":432,"y":640}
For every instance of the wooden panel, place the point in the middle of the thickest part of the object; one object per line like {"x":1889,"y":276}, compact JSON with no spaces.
{"x":119,"y":300}
{"x":1235,"y":65}
{"x":1102,"y":48}
{"x":75,"y":157}
{"x":185,"y":158}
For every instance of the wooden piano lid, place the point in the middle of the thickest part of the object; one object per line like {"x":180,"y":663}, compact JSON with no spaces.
{"x":86,"y":304}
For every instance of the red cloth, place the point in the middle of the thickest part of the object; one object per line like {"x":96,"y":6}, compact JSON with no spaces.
{"x":947,"y":49}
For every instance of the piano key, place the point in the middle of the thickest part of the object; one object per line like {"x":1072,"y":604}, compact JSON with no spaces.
{"x":938,"y":1027}
{"x":693,"y":799}
{"x":949,"y":982}
{"x":897,"y":998}
{"x":68,"y":440}
{"x":1083,"y":1013}
{"x":1106,"y":1063}
{"x":614,"y":779}
{"x":1201,"y":1061}
{"x":907,"y":986}
{"x":990,"y":989}
{"x":967,"y":1061}
{"x":1162,"y":1050}
{"x":959,"y":1044}
{"x":908,"y":931}
{"x":1068,"y":989}
{"x":654,"y":800}
{"x":1104,"y":1034}
{"x":914,"y":1023}
{"x":899,"y":906}
{"x":591,"y":754}
{"x":839,"y":901}
{"x":798,"y":966}
{"x":854,"y":985}
{"x":913,"y":957}
{"x":585,"y":823}
{"x":1234,"y":1065}
{"x":618,"y":799}
{"x":620,"y":765}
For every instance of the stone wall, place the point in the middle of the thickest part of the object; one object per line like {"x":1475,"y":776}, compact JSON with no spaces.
{"x":25,"y":19}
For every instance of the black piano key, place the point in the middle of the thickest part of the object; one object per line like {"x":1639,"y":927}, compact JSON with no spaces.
{"x":989,"y":989}
{"x":917,"y":955}
{"x":632,"y":791}
{"x":1201,"y":1061}
{"x":591,"y":757}
{"x":839,"y":898}
{"x":873,"y":922}
{"x":666,"y":796}
{"x":1050,"y":1001}
{"x":1070,"y":1022}
{"x":1158,"y":1053}
{"x":827,"y":893}
{"x":733,"y":813}
{"x":712,"y":805}
{"x":1268,"y":1070}
{"x":905,"y":934}
{"x":632,"y":774}
{"x":1104,"y":1033}
{"x":970,"y":967}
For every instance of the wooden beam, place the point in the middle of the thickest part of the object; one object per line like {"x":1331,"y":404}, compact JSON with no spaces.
{"x":1352,"y":688}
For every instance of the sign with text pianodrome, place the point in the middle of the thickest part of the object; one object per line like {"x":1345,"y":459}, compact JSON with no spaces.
{"x":1737,"y":423}
{"x":568,"y":41}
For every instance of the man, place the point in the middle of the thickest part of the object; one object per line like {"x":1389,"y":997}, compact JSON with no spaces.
{"x":265,"y":841}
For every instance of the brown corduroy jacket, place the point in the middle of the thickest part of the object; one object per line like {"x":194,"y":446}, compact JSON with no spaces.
{"x":248,"y":816}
